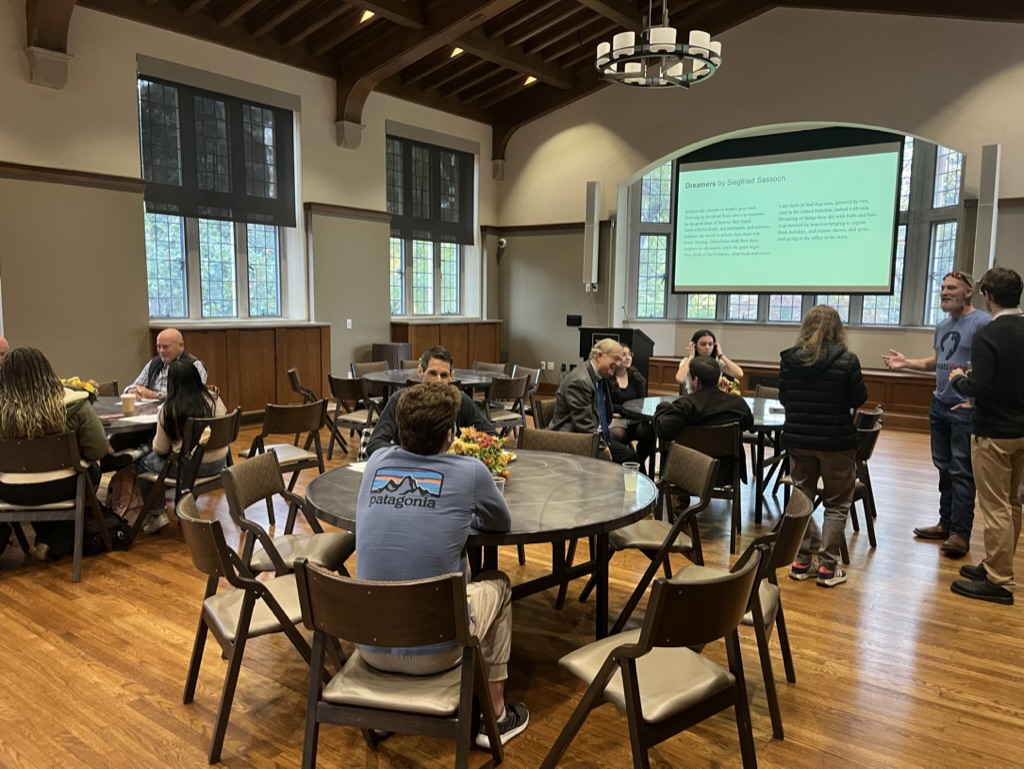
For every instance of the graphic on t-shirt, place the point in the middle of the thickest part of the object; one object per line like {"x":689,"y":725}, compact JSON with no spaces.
{"x":407,"y":480}
{"x":953,"y":338}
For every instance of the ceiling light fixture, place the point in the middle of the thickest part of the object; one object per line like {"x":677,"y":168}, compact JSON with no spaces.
{"x":367,"y":15}
{"x":455,"y":52}
{"x":657,"y":59}
{"x":530,"y":80}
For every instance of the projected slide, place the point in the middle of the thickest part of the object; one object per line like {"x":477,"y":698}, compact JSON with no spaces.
{"x":821,"y":224}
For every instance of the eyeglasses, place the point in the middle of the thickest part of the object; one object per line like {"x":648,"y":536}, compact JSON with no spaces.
{"x":959,"y":276}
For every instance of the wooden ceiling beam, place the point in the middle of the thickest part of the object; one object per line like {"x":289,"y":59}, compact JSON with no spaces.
{"x":522,"y":14}
{"x":514,"y":58}
{"x":488,"y":73}
{"x":586,"y":49}
{"x":315,"y":24}
{"x":47,"y":24}
{"x":276,"y":16}
{"x":513,"y":88}
{"x":977,"y":10}
{"x":467,"y":67}
{"x":550,"y":19}
{"x":435,"y":62}
{"x":195,"y":7}
{"x":241,"y":7}
{"x":434,"y":100}
{"x":405,"y":14}
{"x":479,"y":92}
{"x":339,"y":33}
{"x":624,"y":14}
{"x":568,"y":31}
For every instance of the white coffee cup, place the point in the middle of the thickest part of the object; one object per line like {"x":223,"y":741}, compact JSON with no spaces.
{"x":128,"y":404}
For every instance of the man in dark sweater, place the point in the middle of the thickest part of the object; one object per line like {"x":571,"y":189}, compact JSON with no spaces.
{"x":436,"y":365}
{"x":996,"y":382}
{"x":705,"y":405}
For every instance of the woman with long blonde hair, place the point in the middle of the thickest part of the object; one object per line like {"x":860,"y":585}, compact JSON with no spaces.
{"x":820,"y":386}
{"x":34,"y":403}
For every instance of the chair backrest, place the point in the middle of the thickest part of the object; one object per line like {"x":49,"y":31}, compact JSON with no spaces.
{"x":358,"y":369}
{"x":496,"y":368}
{"x":48,"y":453}
{"x":533,"y":373}
{"x":223,"y":431}
{"x":790,"y":530}
{"x":395,"y":614}
{"x":295,"y":380}
{"x":690,"y":471}
{"x":580,"y":444}
{"x":864,"y":419}
{"x":720,"y":442}
{"x":698,"y":612}
{"x":868,"y":438}
{"x":763,"y":391}
{"x":108,"y":389}
{"x":294,"y":418}
{"x":509,"y":389}
{"x":207,"y":546}
{"x":405,"y":364}
{"x":248,"y":482}
{"x":349,"y":392}
{"x":543,"y":411}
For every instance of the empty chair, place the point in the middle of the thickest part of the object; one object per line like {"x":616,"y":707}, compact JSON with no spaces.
{"x":393,"y":614}
{"x":407,"y":364}
{"x":862,"y":491}
{"x":260,"y":480}
{"x":375,"y":390}
{"x":654,"y":676}
{"x":56,"y":454}
{"x":249,"y":608}
{"x":506,"y":406}
{"x":543,"y":411}
{"x":688,"y":475}
{"x":354,"y":410}
{"x":291,"y":420}
{"x":108,"y":389}
{"x":494,"y":368}
{"x":723,"y":443}
{"x":178,"y":475}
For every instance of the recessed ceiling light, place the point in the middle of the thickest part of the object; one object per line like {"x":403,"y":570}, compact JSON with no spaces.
{"x":367,"y":15}
{"x":455,"y":52}
{"x":530,"y":80}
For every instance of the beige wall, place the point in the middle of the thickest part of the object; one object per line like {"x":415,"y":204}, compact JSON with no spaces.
{"x":67,"y":288}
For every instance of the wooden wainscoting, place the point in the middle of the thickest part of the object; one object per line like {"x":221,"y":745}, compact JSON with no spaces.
{"x":905,"y":397}
{"x":467,"y":340}
{"x":250,"y":363}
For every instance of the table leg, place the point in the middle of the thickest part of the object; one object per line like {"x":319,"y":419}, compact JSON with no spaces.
{"x":490,"y":560}
{"x":601,"y":593}
{"x":759,"y":478}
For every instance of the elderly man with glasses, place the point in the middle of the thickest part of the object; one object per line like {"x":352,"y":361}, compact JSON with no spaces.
{"x":950,"y":414}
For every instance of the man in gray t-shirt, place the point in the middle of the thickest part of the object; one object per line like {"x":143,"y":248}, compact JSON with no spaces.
{"x":415,"y":509}
{"x":949,"y":417}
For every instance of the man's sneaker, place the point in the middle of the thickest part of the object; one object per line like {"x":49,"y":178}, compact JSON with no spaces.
{"x":831,"y":577}
{"x":154,"y":523}
{"x":802,"y":571}
{"x":509,"y":725}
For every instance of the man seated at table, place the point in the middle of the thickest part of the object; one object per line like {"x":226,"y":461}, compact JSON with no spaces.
{"x":436,"y":365}
{"x":415,"y":509}
{"x":152,"y":380}
{"x":583,"y":403}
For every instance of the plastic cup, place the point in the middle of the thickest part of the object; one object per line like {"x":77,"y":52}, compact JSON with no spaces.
{"x":128,"y":404}
{"x":632,"y":470}
{"x":500,"y":483}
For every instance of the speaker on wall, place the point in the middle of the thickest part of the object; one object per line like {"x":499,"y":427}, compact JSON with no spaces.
{"x":591,"y":235}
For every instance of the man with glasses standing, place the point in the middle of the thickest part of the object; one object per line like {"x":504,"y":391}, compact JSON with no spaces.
{"x":949,"y":416}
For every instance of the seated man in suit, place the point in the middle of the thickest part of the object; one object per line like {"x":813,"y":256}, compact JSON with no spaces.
{"x":705,"y":405}
{"x":152,"y":380}
{"x":583,"y":403}
{"x":436,"y":365}
{"x":416,"y":507}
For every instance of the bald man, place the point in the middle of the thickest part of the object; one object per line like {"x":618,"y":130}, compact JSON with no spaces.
{"x":4,"y":347}
{"x":152,"y":381}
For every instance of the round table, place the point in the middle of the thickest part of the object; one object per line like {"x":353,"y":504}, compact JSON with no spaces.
{"x":392,"y":379}
{"x":553,"y":498}
{"x":108,"y":408}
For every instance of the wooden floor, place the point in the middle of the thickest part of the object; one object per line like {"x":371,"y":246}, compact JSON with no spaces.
{"x":892,"y":668}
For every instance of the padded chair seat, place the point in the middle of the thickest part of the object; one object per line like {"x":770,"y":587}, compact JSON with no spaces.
{"x":170,"y":483}
{"x":648,"y":534}
{"x":287,"y":453}
{"x":358,"y":416}
{"x":66,"y":505}
{"x":671,"y":679}
{"x":223,"y":609}
{"x":504,"y":415}
{"x":360,"y":685}
{"x":328,"y":550}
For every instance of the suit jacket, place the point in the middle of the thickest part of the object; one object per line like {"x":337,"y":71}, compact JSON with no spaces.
{"x":576,"y":402}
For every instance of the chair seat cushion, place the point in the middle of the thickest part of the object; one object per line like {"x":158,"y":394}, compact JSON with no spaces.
{"x":504,"y":415}
{"x":66,"y":505}
{"x":357,"y":417}
{"x":170,"y":483}
{"x":648,"y":534}
{"x":363,"y":686}
{"x":328,"y":550}
{"x":287,"y":454}
{"x":223,"y":609}
{"x":671,"y":680}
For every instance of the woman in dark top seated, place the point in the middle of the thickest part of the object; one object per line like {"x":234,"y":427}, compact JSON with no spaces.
{"x":629,"y":384}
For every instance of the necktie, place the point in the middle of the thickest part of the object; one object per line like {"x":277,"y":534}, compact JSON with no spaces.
{"x":602,"y":413}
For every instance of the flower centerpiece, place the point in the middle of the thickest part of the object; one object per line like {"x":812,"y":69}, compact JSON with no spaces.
{"x":729,"y":385}
{"x":77,"y":383}
{"x":487,"y":448}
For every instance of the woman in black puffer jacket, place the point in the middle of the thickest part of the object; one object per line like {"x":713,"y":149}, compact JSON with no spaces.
{"x":821,"y":384}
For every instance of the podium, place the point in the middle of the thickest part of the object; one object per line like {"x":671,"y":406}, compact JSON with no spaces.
{"x":635,"y":339}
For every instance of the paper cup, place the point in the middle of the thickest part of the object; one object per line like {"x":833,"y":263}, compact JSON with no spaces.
{"x":128,"y":404}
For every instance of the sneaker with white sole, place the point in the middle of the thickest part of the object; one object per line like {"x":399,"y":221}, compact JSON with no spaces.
{"x":513,"y":722}
{"x":154,"y":523}
{"x":801,"y":571}
{"x":831,"y":577}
